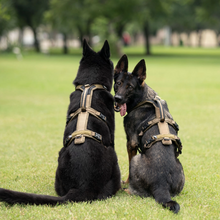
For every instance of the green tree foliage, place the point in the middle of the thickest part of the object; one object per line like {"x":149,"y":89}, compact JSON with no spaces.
{"x":80,"y":15}
{"x":68,"y":16}
{"x":30,"y":13}
{"x":109,"y":19}
{"x":152,"y":14}
{"x":119,"y":14}
{"x":208,"y":14}
{"x":7,"y":20}
{"x":183,"y":17}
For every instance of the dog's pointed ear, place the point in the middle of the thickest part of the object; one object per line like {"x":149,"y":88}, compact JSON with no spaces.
{"x":86,"y":48}
{"x":105,"y":51}
{"x":140,"y":71}
{"x":122,"y":65}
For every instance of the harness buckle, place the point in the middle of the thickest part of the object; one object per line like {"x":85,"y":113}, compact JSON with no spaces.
{"x":98,"y":136}
{"x":179,"y":145}
{"x":152,"y":139}
{"x":102,"y":117}
{"x":79,"y":139}
{"x":78,"y":136}
{"x":166,"y":141}
{"x":144,"y":127}
{"x":177,"y":126}
{"x":66,"y":143}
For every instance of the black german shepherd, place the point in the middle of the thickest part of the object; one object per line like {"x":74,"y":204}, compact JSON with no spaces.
{"x":87,"y":171}
{"x":156,"y":171}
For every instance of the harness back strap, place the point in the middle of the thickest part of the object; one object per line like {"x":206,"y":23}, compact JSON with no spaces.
{"x":83,"y":114}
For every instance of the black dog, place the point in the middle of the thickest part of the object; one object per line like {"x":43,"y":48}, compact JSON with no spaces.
{"x":87,"y":164}
{"x":149,"y":128}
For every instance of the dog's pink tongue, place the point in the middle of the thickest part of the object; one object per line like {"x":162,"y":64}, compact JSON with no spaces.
{"x":123,"y":109}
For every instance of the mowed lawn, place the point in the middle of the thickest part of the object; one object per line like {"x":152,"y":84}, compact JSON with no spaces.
{"x":34,"y":96}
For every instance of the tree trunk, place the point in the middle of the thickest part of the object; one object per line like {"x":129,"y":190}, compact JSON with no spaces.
{"x":119,"y":30}
{"x":199,"y":33}
{"x":147,"y":38}
{"x":178,"y":38}
{"x":20,"y":37}
{"x":135,"y":37}
{"x":171,"y":38}
{"x":65,"y":47}
{"x":81,"y":36}
{"x":36,"y":42}
{"x":217,"y":38}
{"x":188,"y":40}
{"x":88,"y":31}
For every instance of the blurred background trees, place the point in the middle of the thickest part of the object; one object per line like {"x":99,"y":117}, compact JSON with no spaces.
{"x":117,"y":21}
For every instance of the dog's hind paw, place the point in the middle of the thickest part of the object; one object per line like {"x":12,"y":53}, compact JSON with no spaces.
{"x":172,"y":206}
{"x":127,"y":191}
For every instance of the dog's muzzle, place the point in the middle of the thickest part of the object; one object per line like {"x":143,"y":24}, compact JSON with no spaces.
{"x":117,"y":107}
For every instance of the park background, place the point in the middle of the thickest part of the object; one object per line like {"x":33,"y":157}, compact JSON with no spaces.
{"x":40,"y":50}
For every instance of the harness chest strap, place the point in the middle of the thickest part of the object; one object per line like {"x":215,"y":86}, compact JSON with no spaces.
{"x":151,"y":123}
{"x":83,"y":115}
{"x":82,"y":134}
{"x":92,"y":111}
{"x":164,"y":138}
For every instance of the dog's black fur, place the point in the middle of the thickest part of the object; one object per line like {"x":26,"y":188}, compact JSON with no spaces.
{"x":156,"y":172}
{"x":87,"y":171}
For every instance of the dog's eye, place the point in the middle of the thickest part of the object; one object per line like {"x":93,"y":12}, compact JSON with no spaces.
{"x":118,"y":83}
{"x":130,"y":87}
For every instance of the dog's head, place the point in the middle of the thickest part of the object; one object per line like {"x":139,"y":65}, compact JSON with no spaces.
{"x":127,"y":85}
{"x":95,"y":68}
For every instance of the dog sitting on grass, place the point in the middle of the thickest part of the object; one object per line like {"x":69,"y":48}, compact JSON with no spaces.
{"x":87,"y":165}
{"x":149,"y":128}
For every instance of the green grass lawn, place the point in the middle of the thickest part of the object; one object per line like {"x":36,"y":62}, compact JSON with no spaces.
{"x":34,"y":96}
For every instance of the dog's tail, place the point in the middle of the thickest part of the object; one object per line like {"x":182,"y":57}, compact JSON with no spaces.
{"x":162,"y":196}
{"x":172,"y":206}
{"x":14,"y":197}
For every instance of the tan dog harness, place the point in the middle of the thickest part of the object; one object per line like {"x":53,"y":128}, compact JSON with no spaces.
{"x":163,"y":125}
{"x":83,"y":114}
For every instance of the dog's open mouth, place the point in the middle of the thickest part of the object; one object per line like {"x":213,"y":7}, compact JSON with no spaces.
{"x":117,"y":107}
{"x":122,"y":108}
